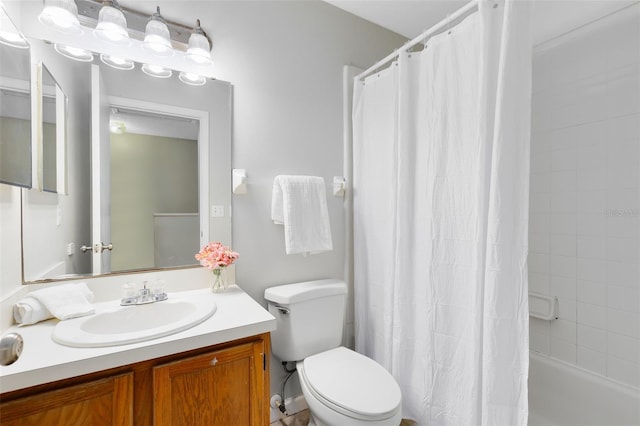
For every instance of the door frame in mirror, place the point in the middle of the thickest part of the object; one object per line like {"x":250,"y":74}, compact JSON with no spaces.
{"x":203,"y":151}
{"x":38,"y":128}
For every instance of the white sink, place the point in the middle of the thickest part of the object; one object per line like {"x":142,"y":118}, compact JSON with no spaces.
{"x":113,"y":324}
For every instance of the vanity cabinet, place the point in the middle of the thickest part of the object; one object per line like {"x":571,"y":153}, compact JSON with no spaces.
{"x":225,"y":384}
{"x":105,"y":401}
{"x":223,"y":387}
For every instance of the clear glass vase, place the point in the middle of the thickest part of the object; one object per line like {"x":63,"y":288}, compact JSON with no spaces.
{"x":219,"y":281}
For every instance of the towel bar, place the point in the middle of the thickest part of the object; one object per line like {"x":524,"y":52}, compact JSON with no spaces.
{"x":543,"y":307}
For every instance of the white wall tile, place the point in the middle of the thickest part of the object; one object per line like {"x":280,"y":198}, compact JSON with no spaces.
{"x":592,"y":134}
{"x":563,"y":330}
{"x":591,"y":179}
{"x":562,"y":266}
{"x":623,"y":347}
{"x":562,"y":350}
{"x":590,"y":247}
{"x":592,"y":157}
{"x":538,"y":263}
{"x":540,"y":183}
{"x":623,"y":128}
{"x":591,"y":292}
{"x":563,"y":180}
{"x":567,"y":309}
{"x":591,"y":201}
{"x":539,"y":203}
{"x":564,"y":139}
{"x":592,"y":338}
{"x":539,"y":223}
{"x":539,"y":326}
{"x":585,"y":198}
{"x":623,"y":298}
{"x":563,"y":245}
{"x":592,"y":360}
{"x":592,"y":315}
{"x":623,"y":249}
{"x":563,"y":223}
{"x":624,"y":322}
{"x":623,"y":371}
{"x":622,"y":226}
{"x":623,"y":91}
{"x":563,"y":159}
{"x":539,"y":242}
{"x":539,"y":342}
{"x":539,"y":283}
{"x":592,"y":224}
{"x":594,"y":270}
{"x":623,"y":274}
{"x":563,"y":287}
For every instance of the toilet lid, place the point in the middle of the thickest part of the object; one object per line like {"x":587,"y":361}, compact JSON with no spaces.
{"x":353,"y":382}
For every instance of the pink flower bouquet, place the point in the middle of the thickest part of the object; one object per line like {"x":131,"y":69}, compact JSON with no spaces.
{"x":216,"y":257}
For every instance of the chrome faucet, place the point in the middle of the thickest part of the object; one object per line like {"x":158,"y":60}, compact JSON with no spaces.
{"x":144,"y":296}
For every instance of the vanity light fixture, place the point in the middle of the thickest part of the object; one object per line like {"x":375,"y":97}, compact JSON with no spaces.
{"x":156,"y":71}
{"x":199,"y":50}
{"x":61,"y":15}
{"x":192,"y":79}
{"x":112,"y":25}
{"x":157,"y":38}
{"x":75,"y":53}
{"x":117,"y":63}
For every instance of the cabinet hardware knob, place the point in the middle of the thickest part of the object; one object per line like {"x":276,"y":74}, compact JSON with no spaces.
{"x":214,"y":361}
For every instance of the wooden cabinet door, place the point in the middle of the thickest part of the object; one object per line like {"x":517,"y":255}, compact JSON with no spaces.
{"x":101,"y":402}
{"x":224,"y":387}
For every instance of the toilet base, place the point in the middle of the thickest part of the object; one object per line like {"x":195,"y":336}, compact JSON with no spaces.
{"x":320,"y":415}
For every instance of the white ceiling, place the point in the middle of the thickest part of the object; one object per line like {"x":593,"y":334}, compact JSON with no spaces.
{"x":410,"y":18}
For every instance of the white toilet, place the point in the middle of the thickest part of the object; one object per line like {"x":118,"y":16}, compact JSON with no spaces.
{"x":341,"y":387}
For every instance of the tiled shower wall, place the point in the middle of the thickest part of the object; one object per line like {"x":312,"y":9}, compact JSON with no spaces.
{"x":585,"y":196}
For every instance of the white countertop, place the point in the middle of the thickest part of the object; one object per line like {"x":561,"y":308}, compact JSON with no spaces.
{"x":42,"y":360}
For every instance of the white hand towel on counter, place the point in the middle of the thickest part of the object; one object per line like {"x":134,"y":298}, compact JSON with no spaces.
{"x":65,"y":301}
{"x":30,"y":311}
{"x":300,"y":204}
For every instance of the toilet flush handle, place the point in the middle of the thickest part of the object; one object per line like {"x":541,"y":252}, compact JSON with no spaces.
{"x":282,"y":309}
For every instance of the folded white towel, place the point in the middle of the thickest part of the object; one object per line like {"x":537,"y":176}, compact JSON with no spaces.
{"x":30,"y":311}
{"x":66,"y":301}
{"x":300,"y":204}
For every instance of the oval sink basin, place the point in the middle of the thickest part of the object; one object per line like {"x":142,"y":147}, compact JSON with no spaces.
{"x":113,"y":324}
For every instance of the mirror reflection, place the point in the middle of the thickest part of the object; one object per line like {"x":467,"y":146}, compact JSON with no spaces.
{"x":15,"y":113}
{"x":154,"y":189}
{"x":140,"y":174}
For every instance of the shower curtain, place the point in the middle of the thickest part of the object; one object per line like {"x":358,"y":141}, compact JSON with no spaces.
{"x":441,"y":178}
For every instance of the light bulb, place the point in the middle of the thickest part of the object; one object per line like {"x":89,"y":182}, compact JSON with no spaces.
{"x":75,"y":53}
{"x":112,"y":26}
{"x":116,"y":62}
{"x":61,"y":15}
{"x":192,"y":79}
{"x":156,"y":71}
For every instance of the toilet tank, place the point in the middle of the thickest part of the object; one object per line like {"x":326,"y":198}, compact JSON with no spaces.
{"x":309,"y":317}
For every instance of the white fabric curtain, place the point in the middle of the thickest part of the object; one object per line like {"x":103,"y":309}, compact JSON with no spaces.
{"x":441,"y":184}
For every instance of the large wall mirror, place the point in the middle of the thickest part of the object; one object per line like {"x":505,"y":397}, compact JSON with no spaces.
{"x":146,"y":159}
{"x":15,"y":106}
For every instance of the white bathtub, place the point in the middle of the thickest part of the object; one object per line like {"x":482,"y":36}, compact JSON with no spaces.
{"x":562,"y":394}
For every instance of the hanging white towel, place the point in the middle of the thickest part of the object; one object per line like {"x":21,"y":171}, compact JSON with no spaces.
{"x":63,"y":302}
{"x":300,"y":204}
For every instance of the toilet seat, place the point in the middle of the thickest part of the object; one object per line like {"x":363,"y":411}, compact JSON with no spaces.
{"x":351,"y":384}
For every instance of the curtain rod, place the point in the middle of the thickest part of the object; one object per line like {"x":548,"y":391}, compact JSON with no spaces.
{"x":408,"y":45}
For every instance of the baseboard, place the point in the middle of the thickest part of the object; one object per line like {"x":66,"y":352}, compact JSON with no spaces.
{"x":294,"y":405}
